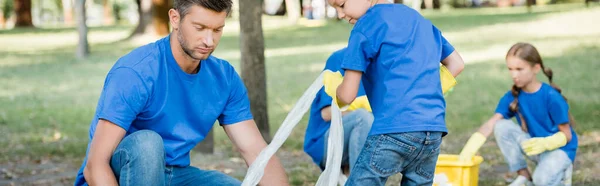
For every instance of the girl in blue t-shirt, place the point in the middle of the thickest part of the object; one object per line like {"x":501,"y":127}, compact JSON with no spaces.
{"x":544,"y":133}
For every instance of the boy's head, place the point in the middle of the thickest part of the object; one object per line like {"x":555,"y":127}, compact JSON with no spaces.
{"x":351,"y":10}
{"x":198,"y":25}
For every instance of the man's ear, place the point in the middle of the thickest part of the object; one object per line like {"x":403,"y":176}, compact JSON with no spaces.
{"x":174,"y":18}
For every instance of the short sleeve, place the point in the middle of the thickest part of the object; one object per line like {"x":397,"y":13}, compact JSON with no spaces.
{"x":123,"y":97}
{"x":359,"y":53}
{"x":504,"y":104}
{"x":237,"y":108}
{"x":447,"y":48}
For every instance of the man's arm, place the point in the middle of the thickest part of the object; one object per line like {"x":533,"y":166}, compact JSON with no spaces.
{"x":346,"y":92}
{"x":454,"y":63}
{"x":246,"y":137}
{"x":106,"y":138}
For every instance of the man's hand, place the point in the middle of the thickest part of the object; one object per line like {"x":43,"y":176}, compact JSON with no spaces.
{"x":246,"y":137}
{"x":106,"y":139}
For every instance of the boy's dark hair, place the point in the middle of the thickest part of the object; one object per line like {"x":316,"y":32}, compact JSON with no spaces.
{"x":183,"y":6}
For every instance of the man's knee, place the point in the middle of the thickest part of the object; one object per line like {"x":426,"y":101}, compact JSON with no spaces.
{"x":145,"y":143}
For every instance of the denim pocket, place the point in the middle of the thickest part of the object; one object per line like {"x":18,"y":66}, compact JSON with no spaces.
{"x":390,"y":155}
{"x":428,"y":159}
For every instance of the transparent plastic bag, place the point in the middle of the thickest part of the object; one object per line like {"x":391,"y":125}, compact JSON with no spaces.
{"x":331,"y":175}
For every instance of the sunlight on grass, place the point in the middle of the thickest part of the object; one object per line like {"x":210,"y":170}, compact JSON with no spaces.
{"x":48,"y":97}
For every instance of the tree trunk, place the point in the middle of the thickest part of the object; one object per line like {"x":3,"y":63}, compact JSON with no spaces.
{"x":145,"y":14}
{"x":253,"y":62}
{"x":160,"y":16}
{"x":23,"y":13}
{"x":83,"y":49}
{"x":107,"y":11}
{"x":293,"y":10}
{"x":399,"y":1}
{"x":68,"y":12}
{"x":154,"y":18}
{"x":207,"y":145}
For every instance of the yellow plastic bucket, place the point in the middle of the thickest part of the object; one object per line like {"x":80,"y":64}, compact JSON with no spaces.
{"x":457,"y":173}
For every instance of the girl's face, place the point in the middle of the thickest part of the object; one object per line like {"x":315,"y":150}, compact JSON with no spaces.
{"x":521,"y":71}
{"x":351,"y":10}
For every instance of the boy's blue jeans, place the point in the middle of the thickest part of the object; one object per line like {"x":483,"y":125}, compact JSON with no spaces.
{"x":414,"y":154}
{"x":553,"y":167}
{"x":140,"y":160}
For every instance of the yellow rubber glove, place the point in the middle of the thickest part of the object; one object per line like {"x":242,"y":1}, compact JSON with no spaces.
{"x":360,"y":102}
{"x":472,"y":146}
{"x":331,"y":81}
{"x":447,"y":79}
{"x":535,"y":146}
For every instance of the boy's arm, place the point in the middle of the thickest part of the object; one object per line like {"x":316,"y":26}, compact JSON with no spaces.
{"x":246,"y":137}
{"x":454,"y":63}
{"x":106,"y":138}
{"x":347,"y":91}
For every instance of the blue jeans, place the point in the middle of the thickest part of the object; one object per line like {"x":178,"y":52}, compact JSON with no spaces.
{"x":357,"y":125}
{"x":414,"y":154}
{"x":140,"y":160}
{"x":553,"y":167}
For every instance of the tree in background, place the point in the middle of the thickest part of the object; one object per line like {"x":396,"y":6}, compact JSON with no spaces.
{"x":253,"y":62}
{"x":154,"y":17}
{"x":23,"y":13}
{"x":83,"y":49}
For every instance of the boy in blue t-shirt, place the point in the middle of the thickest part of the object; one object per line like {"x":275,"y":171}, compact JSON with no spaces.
{"x":399,"y":52}
{"x":544,"y":132}
{"x":162,"y":99}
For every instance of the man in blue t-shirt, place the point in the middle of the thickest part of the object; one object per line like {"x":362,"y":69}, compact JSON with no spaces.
{"x":162,"y":99}
{"x":357,"y":122}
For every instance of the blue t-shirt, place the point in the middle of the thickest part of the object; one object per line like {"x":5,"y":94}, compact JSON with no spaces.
{"x":543,"y":110}
{"x":314,"y":141}
{"x":399,"y":52}
{"x":146,"y":89}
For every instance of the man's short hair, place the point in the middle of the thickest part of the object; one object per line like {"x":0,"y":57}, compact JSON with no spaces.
{"x":183,"y":6}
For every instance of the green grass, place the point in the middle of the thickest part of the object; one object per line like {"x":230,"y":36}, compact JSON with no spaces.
{"x":45,"y":90}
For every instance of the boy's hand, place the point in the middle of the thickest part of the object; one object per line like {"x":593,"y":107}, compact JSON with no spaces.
{"x":331,"y":81}
{"x":360,"y":102}
{"x":448,"y":81}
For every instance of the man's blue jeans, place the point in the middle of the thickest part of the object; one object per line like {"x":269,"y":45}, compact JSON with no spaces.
{"x":140,"y":160}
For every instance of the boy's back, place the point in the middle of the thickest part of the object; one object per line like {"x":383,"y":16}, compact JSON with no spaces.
{"x":403,"y":81}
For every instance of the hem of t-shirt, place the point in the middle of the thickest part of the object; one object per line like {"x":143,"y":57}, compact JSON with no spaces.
{"x":353,"y":67}
{"x":503,"y":115}
{"x":419,"y":128}
{"x":567,"y":151}
{"x":237,"y":120}
{"x":115,"y":121}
